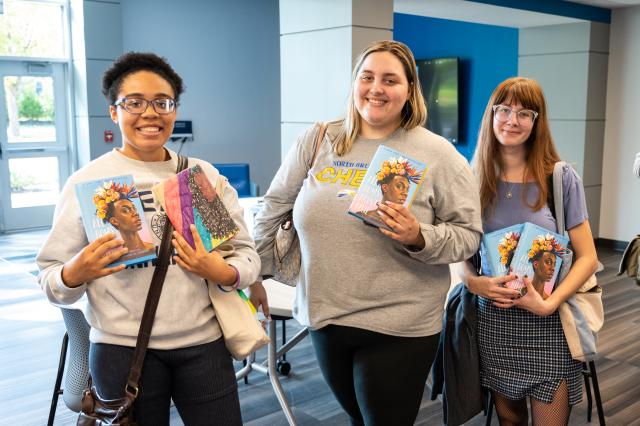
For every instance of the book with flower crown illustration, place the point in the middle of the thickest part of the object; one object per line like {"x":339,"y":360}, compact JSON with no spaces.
{"x":538,"y":257}
{"x":112,"y":204}
{"x":391,"y":176}
{"x":498,"y":248}
{"x":190,"y":198}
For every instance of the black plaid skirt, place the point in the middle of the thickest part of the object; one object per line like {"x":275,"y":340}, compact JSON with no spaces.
{"x":525,"y":355}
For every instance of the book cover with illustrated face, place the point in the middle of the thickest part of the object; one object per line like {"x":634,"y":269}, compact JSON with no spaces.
{"x":112,"y":204}
{"x":538,"y":257}
{"x":499,"y":247}
{"x":189,"y":198}
{"x":391,"y":176}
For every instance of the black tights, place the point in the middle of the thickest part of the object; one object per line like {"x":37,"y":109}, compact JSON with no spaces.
{"x":377,"y":379}
{"x":515,"y":413}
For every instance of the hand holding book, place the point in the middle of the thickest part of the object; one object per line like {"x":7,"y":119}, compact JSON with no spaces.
{"x":386,"y":192}
{"x":93,"y":261}
{"x":208,"y":265}
{"x":533,"y":301}
{"x":111,"y":206}
{"x":404,"y":226}
{"x":189,"y":198}
{"x":494,"y":288}
{"x":533,"y":255}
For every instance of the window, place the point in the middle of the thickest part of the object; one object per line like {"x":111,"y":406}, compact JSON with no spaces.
{"x":32,"y":29}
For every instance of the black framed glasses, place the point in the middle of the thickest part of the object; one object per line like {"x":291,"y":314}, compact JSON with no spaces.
{"x":140,"y":105}
{"x":524,"y":116}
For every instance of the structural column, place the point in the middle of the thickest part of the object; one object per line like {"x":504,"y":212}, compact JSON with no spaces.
{"x":570,"y":62}
{"x":319,"y":42}
{"x":96,"y":33}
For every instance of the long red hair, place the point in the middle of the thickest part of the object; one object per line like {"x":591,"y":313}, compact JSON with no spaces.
{"x":541,"y":154}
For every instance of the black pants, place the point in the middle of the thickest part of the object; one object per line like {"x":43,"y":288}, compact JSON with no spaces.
{"x":377,"y":379}
{"x":200,"y":380}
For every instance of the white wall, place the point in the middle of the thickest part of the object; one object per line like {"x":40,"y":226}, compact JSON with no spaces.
{"x":570,"y":63}
{"x":620,"y":211}
{"x":319,"y":41}
{"x":227,"y":53}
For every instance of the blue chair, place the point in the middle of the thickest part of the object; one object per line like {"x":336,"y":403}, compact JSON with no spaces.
{"x":238,"y":175}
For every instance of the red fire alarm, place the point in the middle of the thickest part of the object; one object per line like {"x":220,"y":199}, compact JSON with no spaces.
{"x":108,"y":136}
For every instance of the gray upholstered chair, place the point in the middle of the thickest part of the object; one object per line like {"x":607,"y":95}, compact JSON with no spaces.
{"x":76,"y":376}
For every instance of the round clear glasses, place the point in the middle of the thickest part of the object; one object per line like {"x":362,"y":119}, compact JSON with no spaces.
{"x":525,"y":117}
{"x":139,"y":105}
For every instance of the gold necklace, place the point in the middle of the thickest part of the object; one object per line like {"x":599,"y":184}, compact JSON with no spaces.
{"x":509,"y":193}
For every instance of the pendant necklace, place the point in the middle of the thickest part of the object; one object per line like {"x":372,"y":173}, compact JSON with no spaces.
{"x":509,"y":193}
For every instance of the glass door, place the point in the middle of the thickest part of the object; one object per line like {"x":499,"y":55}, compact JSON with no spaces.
{"x":34,"y":155}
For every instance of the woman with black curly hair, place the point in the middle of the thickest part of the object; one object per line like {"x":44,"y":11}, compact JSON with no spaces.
{"x":187,"y":360}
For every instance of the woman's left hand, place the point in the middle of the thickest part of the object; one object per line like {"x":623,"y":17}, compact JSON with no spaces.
{"x":533,"y":302}
{"x":210,"y":266}
{"x":405,"y":226}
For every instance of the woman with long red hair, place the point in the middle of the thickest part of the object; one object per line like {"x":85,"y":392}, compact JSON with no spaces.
{"x":523,"y":351}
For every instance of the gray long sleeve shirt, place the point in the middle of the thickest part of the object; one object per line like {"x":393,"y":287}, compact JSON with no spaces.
{"x":351,"y":274}
{"x":185,"y":315}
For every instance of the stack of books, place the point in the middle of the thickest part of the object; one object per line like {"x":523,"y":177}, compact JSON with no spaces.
{"x":526,"y":251}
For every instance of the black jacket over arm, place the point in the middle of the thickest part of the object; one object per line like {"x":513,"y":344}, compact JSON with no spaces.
{"x":456,"y":369}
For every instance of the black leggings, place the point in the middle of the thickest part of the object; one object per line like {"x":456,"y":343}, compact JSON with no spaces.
{"x":377,"y":379}
{"x":200,"y":380}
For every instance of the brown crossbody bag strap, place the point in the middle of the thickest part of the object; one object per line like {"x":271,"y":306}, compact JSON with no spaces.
{"x":153,"y":297}
{"x":317,"y":141}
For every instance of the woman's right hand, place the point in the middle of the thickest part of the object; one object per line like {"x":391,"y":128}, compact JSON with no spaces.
{"x":258,"y":297}
{"x":91,"y":262}
{"x":493,"y":288}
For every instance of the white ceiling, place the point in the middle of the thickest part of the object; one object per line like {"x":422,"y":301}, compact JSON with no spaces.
{"x":469,"y":11}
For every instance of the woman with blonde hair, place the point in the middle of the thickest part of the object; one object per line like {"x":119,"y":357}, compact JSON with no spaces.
{"x":523,"y":351}
{"x":373,"y":298}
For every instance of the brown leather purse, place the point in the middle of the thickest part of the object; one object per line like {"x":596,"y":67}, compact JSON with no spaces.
{"x":287,"y":257}
{"x":97,"y":411}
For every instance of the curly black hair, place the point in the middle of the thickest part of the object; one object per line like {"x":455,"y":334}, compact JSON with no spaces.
{"x":131,"y":62}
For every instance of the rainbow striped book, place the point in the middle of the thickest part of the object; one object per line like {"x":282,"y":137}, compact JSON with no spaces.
{"x":190,"y":198}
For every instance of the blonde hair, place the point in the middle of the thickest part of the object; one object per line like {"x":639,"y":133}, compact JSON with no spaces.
{"x":541,"y":154}
{"x":414,"y":112}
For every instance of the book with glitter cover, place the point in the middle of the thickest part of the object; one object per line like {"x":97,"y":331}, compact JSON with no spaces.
{"x":391,"y":176}
{"x":190,"y":198}
{"x":538,"y":257}
{"x":112,"y":204}
{"x":498,"y":248}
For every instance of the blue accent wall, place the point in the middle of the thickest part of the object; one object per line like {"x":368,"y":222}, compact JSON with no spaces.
{"x":488,"y":55}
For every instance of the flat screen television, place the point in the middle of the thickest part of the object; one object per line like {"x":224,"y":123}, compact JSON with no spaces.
{"x":439,"y":81}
